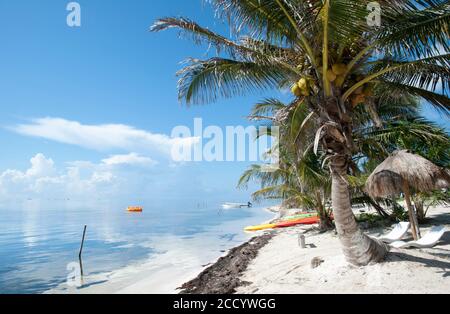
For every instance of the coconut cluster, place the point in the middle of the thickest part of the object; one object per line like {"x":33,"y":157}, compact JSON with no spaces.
{"x":359,"y":96}
{"x":301,"y":88}
{"x":336,"y":75}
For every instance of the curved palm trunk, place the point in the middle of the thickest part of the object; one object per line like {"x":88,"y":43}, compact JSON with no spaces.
{"x":358,"y":248}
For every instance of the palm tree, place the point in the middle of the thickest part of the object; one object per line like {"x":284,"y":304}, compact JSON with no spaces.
{"x":332,"y":58}
{"x":301,"y":181}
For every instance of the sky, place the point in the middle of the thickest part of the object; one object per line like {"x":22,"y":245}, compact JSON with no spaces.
{"x":91,"y":109}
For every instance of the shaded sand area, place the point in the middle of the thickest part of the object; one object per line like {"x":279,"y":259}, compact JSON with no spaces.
{"x":282,"y":266}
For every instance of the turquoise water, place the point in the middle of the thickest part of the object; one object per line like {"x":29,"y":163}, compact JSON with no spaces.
{"x":39,"y":239}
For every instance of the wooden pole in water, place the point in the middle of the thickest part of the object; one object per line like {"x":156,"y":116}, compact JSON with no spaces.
{"x":82,"y":242}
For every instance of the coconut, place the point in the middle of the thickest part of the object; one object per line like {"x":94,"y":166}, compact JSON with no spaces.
{"x":354,"y":101}
{"x":331,"y":76}
{"x":302,"y":83}
{"x":339,"y":81}
{"x":357,"y":99}
{"x":339,"y":68}
{"x":305,"y":91}
{"x":296,"y":90}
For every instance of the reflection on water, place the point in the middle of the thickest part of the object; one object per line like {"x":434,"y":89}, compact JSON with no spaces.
{"x":38,"y":240}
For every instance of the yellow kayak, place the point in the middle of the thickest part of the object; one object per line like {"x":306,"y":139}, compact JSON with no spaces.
{"x":260,"y":227}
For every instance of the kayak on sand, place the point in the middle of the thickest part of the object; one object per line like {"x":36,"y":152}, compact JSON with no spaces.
{"x":292,"y":223}
{"x":260,"y":227}
{"x":299,"y":216}
{"x":285,"y":224}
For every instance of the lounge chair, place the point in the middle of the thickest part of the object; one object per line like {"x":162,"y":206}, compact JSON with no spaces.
{"x":428,"y":241}
{"x":397,"y":233}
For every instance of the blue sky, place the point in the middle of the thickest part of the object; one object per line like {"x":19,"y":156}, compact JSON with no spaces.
{"x":110,"y":71}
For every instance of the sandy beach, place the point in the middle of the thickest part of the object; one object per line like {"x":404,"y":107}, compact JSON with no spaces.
{"x":273,"y":262}
{"x":283,"y":267}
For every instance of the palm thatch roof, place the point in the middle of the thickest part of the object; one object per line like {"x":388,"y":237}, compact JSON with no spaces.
{"x":420,"y":174}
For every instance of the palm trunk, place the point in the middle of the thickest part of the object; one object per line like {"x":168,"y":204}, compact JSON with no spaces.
{"x":325,"y":220}
{"x":359,"y":249}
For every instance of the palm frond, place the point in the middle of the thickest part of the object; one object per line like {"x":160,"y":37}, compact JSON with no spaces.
{"x":268,"y":106}
{"x":203,"y":81}
{"x":416,"y":33}
{"x":261,"y":18}
{"x":200,"y":35}
{"x":424,"y":73}
{"x":439,"y":101}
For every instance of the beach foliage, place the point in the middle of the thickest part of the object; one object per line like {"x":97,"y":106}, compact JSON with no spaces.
{"x":333,"y":61}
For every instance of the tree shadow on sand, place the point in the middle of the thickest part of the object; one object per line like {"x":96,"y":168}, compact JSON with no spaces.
{"x":443,"y":266}
{"x":440,"y":219}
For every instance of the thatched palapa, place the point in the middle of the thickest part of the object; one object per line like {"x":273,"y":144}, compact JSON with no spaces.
{"x":420,"y":174}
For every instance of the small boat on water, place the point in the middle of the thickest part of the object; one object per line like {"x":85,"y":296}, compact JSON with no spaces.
{"x":236,"y":205}
{"x":135,"y":209}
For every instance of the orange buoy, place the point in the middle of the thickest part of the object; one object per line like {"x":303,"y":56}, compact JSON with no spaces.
{"x":135,"y":209}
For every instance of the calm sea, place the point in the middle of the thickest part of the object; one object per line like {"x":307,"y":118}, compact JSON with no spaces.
{"x":39,"y":239}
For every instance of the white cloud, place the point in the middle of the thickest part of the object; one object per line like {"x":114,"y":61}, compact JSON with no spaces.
{"x":115,"y":179}
{"x":100,"y":137}
{"x":130,"y":159}
{"x":41,"y":166}
{"x":43,"y":180}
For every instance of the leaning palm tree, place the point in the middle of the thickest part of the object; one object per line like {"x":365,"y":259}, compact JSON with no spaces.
{"x":331,"y":58}
{"x":301,"y":182}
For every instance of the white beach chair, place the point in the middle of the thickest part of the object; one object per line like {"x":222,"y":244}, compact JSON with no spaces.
{"x":397,"y":233}
{"x":428,"y":241}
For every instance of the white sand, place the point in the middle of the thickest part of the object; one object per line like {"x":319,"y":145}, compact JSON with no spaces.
{"x":283,"y":267}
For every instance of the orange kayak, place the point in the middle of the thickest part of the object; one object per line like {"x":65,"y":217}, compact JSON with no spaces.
{"x":135,"y":209}
{"x":303,"y":221}
{"x":285,"y":224}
